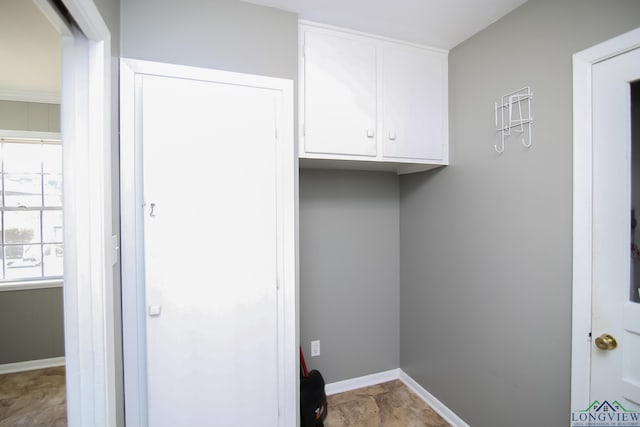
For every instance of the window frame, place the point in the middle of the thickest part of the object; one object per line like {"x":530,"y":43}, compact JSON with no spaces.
{"x":31,"y":282}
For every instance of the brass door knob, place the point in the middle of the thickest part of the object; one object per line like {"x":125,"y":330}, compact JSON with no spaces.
{"x":606,"y":342}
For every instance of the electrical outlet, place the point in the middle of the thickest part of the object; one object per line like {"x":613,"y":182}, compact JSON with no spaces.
{"x":315,"y":348}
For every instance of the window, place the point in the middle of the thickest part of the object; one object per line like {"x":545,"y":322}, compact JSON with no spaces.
{"x":31,"y":210}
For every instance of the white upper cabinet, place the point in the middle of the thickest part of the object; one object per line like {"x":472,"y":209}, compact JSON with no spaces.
{"x":413,"y":98}
{"x":371,"y":103}
{"x":340,"y":95}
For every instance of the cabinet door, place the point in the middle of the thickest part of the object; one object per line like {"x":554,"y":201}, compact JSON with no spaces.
{"x":339,"y":95}
{"x":414,"y":99}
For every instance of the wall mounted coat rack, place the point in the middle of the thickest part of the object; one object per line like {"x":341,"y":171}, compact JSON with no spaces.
{"x":514,"y":113}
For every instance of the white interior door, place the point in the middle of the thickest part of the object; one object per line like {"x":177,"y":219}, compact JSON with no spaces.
{"x":615,"y":367}
{"x":209,"y":159}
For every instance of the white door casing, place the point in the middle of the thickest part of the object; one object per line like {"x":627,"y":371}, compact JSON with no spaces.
{"x":89,"y":306}
{"x":587,"y":244}
{"x":219,"y":241}
{"x":615,"y":374}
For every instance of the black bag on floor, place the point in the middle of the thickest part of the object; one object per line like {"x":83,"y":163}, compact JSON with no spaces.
{"x":313,"y":400}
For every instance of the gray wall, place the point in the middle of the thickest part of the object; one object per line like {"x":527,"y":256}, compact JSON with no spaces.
{"x":110,"y":12}
{"x":30,"y":116}
{"x":222,"y":34}
{"x":349,"y":271}
{"x":349,"y":221}
{"x":31,"y":322}
{"x":31,"y":325}
{"x":486,"y":242}
{"x":363,"y":281}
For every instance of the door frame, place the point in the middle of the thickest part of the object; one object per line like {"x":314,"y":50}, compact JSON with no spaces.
{"x":88,"y":294}
{"x":132,"y":226}
{"x":583,"y":63}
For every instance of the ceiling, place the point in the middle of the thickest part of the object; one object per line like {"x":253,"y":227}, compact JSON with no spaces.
{"x":436,"y":23}
{"x":30,"y":46}
{"x":29,"y":52}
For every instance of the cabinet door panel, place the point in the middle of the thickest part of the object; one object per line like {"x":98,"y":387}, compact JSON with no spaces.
{"x":413,"y":97}
{"x":340,"y":95}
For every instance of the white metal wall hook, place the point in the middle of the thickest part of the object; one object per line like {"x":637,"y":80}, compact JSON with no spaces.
{"x":517,"y":105}
{"x":501,"y":149}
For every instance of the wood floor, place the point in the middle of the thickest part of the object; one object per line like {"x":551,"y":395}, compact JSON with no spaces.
{"x":389,"y":404}
{"x":33,"y":399}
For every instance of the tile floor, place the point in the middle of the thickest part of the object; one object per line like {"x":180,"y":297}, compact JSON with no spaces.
{"x":390,"y":404}
{"x":33,"y":399}
{"x":37,"y":399}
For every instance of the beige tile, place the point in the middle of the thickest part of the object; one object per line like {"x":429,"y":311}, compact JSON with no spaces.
{"x":389,"y":404}
{"x":34,"y":398}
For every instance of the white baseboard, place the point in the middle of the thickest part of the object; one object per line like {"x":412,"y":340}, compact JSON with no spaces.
{"x":366,"y":381}
{"x":30,"y":365}
{"x":446,"y":413}
{"x":397,"y":374}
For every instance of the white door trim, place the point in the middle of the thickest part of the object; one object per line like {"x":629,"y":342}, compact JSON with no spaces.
{"x":88,"y":283}
{"x":132,"y":228}
{"x":582,"y":207}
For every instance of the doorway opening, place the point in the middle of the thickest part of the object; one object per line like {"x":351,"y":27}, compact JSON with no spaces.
{"x":88,"y":291}
{"x":32,"y":372}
